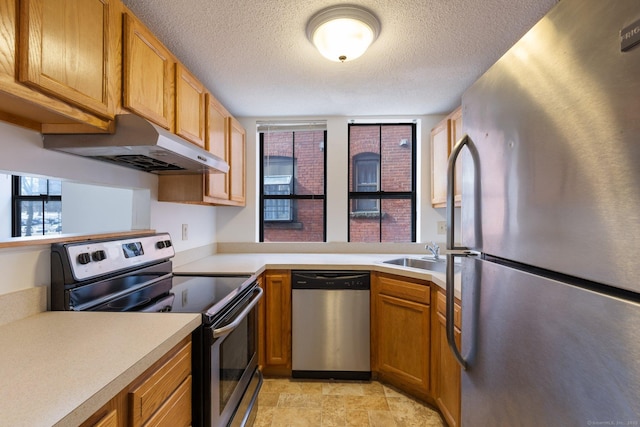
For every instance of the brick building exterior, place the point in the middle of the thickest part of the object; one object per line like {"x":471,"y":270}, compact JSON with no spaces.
{"x":300,"y":156}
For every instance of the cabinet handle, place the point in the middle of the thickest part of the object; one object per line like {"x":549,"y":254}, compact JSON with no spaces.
{"x":452,"y":250}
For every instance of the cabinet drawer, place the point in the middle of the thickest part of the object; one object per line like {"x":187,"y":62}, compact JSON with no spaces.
{"x":109,"y":420}
{"x":151,"y":394}
{"x":442,"y":309}
{"x":176,"y":411}
{"x":402,"y":289}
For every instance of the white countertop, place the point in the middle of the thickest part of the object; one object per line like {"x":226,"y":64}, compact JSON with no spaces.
{"x":58,"y":368}
{"x":255,"y":263}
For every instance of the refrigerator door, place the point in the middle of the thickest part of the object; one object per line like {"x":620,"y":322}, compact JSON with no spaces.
{"x":556,"y":126}
{"x":544,"y":353}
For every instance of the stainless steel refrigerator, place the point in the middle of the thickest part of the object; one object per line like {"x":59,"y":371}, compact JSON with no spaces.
{"x":550,"y":226}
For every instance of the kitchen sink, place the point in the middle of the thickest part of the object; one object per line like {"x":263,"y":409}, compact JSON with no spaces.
{"x":431,"y":264}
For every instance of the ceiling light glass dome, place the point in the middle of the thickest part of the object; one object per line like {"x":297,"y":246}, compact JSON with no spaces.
{"x":343,"y":33}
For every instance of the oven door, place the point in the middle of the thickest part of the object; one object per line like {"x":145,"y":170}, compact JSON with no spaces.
{"x":232,"y":345}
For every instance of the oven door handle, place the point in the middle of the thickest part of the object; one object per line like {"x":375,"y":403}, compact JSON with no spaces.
{"x":227,"y":329}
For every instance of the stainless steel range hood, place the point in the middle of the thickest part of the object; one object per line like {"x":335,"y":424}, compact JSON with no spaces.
{"x":140,"y":144}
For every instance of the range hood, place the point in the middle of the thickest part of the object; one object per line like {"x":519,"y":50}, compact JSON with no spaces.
{"x":140,"y":144}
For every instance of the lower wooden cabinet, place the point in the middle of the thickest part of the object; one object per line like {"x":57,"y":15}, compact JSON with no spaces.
{"x":109,"y":420}
{"x":401,"y":332}
{"x":164,"y":394}
{"x":445,"y":368}
{"x":408,"y":339}
{"x":159,"y":397}
{"x":275,"y":324}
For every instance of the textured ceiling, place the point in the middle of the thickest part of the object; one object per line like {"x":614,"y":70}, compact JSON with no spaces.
{"x":253,"y":55}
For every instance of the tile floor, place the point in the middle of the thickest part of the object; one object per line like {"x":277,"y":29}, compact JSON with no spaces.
{"x":311,"y":403}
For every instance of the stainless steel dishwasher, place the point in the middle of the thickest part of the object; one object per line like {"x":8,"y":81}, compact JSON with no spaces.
{"x":330,"y":324}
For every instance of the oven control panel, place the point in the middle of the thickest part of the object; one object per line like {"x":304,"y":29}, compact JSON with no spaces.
{"x":95,"y":258}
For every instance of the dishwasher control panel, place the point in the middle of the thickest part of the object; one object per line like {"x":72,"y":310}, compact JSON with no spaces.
{"x":330,"y":279}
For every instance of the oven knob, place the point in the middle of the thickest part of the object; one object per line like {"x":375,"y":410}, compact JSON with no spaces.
{"x":167,"y":243}
{"x":99,"y":255}
{"x":160,"y":245}
{"x":84,"y":258}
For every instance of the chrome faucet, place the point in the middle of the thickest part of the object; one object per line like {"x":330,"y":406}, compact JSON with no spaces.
{"x":434,"y":249}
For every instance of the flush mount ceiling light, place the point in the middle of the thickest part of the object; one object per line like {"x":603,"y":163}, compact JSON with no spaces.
{"x":343,"y":33}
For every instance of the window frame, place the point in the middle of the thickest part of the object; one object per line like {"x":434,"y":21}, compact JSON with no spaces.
{"x":16,"y":204}
{"x":358,"y":160}
{"x":293,"y":197}
{"x":354,"y":196}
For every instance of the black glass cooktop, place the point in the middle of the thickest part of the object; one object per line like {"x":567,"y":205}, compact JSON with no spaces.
{"x":206,"y":294}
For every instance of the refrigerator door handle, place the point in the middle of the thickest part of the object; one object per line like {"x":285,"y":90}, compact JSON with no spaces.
{"x":452,"y":250}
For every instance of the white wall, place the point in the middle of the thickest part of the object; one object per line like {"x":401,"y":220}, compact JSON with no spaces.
{"x":86,"y":206}
{"x":21,"y":151}
{"x":241,"y":225}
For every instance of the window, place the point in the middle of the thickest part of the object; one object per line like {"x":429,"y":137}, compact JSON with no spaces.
{"x":292,"y":187}
{"x":382,"y":195}
{"x":367,"y":179}
{"x":37,"y":206}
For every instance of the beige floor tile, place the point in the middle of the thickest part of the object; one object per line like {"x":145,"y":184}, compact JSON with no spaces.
{"x":369,"y":403}
{"x":293,"y":400}
{"x":343,"y":389}
{"x":296,"y":417}
{"x":357,"y":418}
{"x":381,"y":419}
{"x":312,"y":403}
{"x":268,"y":398}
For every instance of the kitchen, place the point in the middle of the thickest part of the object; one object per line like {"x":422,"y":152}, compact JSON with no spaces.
{"x":205,"y":237}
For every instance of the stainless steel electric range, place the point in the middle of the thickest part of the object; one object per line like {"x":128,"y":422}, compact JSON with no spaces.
{"x":135,"y":274}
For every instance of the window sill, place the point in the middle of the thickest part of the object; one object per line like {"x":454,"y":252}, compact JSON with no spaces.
{"x":15,"y":242}
{"x":367,"y":215}
{"x":283,"y":225}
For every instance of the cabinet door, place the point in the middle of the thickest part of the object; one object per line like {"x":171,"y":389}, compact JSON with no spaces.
{"x":455,"y":130}
{"x":148,"y":80}
{"x":68,"y":48}
{"x":190,"y":106}
{"x":439,"y":158}
{"x":445,"y":367}
{"x":217,"y":143}
{"x":237,"y":161}
{"x":402,"y":335}
{"x":278,"y":319}
{"x":448,"y":379}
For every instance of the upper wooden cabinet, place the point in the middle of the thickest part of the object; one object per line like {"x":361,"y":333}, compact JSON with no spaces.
{"x":190,"y":107}
{"x":149,"y":74}
{"x":455,"y":128}
{"x":68,"y":48}
{"x":439,"y":156}
{"x":226,"y":139}
{"x":217,"y":184}
{"x":237,"y":146}
{"x":28,"y":105}
{"x":443,"y":138}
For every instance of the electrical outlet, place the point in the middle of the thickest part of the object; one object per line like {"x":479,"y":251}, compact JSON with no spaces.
{"x":185,"y":231}
{"x":442,"y":227}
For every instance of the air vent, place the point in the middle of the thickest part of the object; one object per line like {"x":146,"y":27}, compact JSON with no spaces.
{"x":143,"y":163}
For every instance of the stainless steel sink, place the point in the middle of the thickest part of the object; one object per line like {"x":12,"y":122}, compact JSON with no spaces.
{"x":421,"y":263}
